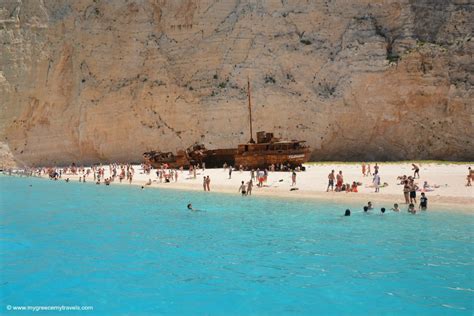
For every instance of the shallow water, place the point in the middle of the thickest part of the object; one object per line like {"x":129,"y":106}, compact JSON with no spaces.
{"x":126,"y":250}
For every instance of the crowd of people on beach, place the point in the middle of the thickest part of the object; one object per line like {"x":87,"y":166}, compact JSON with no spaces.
{"x":120,"y":171}
{"x":164,"y":174}
{"x":340,"y":185}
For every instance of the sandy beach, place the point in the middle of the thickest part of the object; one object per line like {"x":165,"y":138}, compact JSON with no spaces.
{"x":449,"y":182}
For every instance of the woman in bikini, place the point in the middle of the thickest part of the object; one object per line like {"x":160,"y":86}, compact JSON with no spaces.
{"x":406,"y":192}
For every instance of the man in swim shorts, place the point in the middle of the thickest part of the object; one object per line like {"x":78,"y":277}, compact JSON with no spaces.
{"x":243,"y":188}
{"x":413,"y":188}
{"x":417,"y":171}
{"x":331,"y":181}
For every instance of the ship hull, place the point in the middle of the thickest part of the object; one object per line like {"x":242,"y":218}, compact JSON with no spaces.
{"x":253,"y":160}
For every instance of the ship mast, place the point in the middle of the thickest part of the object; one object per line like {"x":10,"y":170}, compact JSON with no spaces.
{"x":251,"y":141}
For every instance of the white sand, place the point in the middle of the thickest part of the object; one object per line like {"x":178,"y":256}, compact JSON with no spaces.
{"x":312,"y":183}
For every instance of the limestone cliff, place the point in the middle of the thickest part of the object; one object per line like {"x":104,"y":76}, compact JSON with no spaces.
{"x":91,"y":81}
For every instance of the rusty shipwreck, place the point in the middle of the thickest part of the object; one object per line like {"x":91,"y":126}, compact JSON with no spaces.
{"x":266,"y":151}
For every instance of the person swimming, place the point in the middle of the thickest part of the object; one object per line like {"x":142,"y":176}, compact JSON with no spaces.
{"x":395,"y":208}
{"x":347,"y":213}
{"x":411,"y":208}
{"x":382,"y":210}
{"x":366,"y":209}
{"x":369,"y":206}
{"x":190,"y":207}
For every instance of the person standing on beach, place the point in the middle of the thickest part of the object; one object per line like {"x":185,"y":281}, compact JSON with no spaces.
{"x":260,"y":177}
{"x":423,"y":202}
{"x":293,"y":178}
{"x":204,"y":183}
{"x":242,"y":189}
{"x":339,"y":181}
{"x":406,"y":192}
{"x":230,"y":172}
{"x":368,"y":170}
{"x":413,"y":188}
{"x":376,"y":168}
{"x":208,"y":183}
{"x":331,"y":181}
{"x":417,"y":171}
{"x":469,"y":177}
{"x":363,"y":169}
{"x":249,"y":187}
{"x":376,"y":182}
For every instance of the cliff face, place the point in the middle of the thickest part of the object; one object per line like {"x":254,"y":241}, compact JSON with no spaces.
{"x":90,"y":81}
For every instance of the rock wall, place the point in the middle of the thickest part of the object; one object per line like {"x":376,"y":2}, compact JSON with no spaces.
{"x":91,"y":81}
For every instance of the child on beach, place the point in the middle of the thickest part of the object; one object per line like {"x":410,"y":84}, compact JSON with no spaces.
{"x":423,"y":202}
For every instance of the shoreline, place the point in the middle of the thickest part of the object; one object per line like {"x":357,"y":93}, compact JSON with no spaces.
{"x":455,"y":203}
{"x":311,"y":184}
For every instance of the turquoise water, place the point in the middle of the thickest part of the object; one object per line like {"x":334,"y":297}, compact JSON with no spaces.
{"x":124,"y":250}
